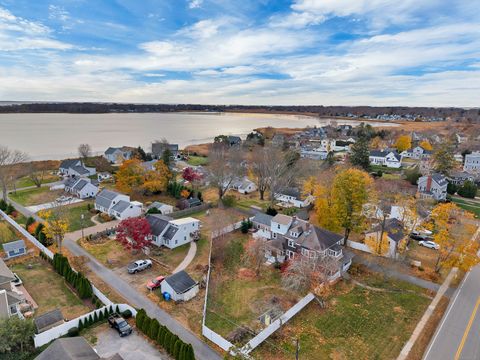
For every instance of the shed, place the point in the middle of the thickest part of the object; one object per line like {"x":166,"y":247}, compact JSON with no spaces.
{"x":14,"y":249}
{"x":180,"y":286}
{"x":163,"y":208}
{"x":48,"y":320}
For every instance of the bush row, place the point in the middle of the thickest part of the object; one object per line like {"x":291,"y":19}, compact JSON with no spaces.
{"x":178,"y":349}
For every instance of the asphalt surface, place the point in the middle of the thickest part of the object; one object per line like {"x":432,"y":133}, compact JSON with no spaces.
{"x":457,"y":336}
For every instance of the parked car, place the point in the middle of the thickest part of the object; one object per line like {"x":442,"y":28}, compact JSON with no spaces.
{"x":418,"y":236}
{"x":429,"y":244}
{"x":155,"y":283}
{"x":139,"y":265}
{"x":120,"y":324}
{"x":17,"y":281}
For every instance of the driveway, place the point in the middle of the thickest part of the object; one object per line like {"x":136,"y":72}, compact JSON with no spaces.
{"x":132,"y":347}
{"x":46,"y":206}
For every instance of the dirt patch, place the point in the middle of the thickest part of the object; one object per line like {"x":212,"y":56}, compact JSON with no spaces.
{"x":200,"y":149}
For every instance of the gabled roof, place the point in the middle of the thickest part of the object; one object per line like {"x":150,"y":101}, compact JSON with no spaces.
{"x":111,"y":150}
{"x":70,"y":182}
{"x":261,"y":218}
{"x":282,"y":219}
{"x":14,"y":245}
{"x":66,"y":164}
{"x":80,"y":169}
{"x":121,"y":206}
{"x":291,"y":192}
{"x":48,"y":319}
{"x":170,"y":233}
{"x":439,"y":179}
{"x":158,"y":205}
{"x":6,"y":274}
{"x":384,"y":153}
{"x":105,"y":197}
{"x":69,"y":348}
{"x":80,"y":185}
{"x":181,"y":282}
{"x":158,"y":223}
{"x":394,"y":229}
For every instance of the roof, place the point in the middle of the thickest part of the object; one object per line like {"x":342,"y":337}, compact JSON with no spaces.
{"x":158,"y":205}
{"x":121,"y":206}
{"x":282,"y":219}
{"x":6,"y":274}
{"x":159,"y":147}
{"x":80,"y":185}
{"x":180,"y":282}
{"x":14,"y":245}
{"x":66,"y":164}
{"x":261,"y":218}
{"x":185,"y":220}
{"x":13,"y":298}
{"x":48,"y":319}
{"x":291,"y":192}
{"x":170,"y":233}
{"x":384,"y":153}
{"x":111,"y":150}
{"x":193,"y":201}
{"x":80,"y":169}
{"x":105,"y":197}
{"x":158,"y":223}
{"x":69,"y":348}
{"x":70,"y":182}
{"x":394,"y":229}
{"x":313,"y":237}
{"x":439,"y":179}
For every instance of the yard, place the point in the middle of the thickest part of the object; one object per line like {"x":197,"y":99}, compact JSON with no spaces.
{"x":358,"y":322}
{"x":471,"y":205}
{"x":26,"y":181}
{"x":74,"y":214}
{"x":48,"y":289}
{"x":197,"y":160}
{"x":7,"y":233}
{"x":35,"y":196}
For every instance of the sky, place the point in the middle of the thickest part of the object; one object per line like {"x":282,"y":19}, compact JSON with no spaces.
{"x":264,"y":52}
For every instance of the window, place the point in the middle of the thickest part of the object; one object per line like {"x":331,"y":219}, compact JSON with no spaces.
{"x":290,"y":254}
{"x":305,"y":252}
{"x":291,"y":243}
{"x":278,"y":226}
{"x":176,"y":242}
{"x":185,"y":238}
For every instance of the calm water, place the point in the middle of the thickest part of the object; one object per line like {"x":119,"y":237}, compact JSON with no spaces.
{"x":57,"y":136}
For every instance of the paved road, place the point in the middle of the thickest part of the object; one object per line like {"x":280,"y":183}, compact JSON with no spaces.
{"x":457,"y":336}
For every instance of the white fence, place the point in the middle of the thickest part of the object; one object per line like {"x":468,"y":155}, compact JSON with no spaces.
{"x":62,"y":329}
{"x":216,"y":338}
{"x":359,"y":246}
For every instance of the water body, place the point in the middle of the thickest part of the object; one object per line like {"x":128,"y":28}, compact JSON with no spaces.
{"x":57,"y":136}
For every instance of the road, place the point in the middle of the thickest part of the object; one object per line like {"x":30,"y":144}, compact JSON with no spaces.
{"x":457,"y":336}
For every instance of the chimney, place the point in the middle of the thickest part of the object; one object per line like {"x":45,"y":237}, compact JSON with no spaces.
{"x":429,"y":184}
{"x":294,"y":219}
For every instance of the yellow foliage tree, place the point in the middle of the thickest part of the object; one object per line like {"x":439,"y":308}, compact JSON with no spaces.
{"x":130,"y":176}
{"x":454,"y":233}
{"x":309,"y":186}
{"x":324,"y":211}
{"x":56,"y":225}
{"x":404,"y":142}
{"x":157,"y":180}
{"x":378,"y":244}
{"x":377,"y":143}
{"x":426,"y":145}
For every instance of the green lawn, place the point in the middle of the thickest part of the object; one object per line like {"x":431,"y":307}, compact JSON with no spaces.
{"x":247,"y":203}
{"x":26,"y":181}
{"x":468,"y":204}
{"x":74,"y":212}
{"x":385,"y":169}
{"x":34,"y":196}
{"x":357,"y":324}
{"x":197,"y":160}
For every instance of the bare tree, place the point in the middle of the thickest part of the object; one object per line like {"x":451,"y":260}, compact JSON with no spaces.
{"x":84,"y":150}
{"x":255,"y":252}
{"x":36,"y":176}
{"x":226,"y":165}
{"x":282,"y":173}
{"x":260,"y":165}
{"x":9,"y":158}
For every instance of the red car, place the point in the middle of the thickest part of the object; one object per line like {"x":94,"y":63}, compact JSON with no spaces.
{"x":155,"y":283}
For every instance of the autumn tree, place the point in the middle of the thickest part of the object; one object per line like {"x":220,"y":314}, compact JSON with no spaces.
{"x":225,"y":167}
{"x":425,"y":144}
{"x":157,"y":180}
{"x":8,"y":159}
{"x":190,"y":175}
{"x":360,"y":154}
{"x":84,"y":151}
{"x":454,"y":233}
{"x":133,"y":233}
{"x":443,"y":158}
{"x":56,"y":224}
{"x":130,"y":176}
{"x":404,"y":142}
{"x":378,"y":243}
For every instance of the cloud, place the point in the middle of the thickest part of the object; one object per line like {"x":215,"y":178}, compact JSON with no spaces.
{"x":195,"y":4}
{"x":58,"y":13}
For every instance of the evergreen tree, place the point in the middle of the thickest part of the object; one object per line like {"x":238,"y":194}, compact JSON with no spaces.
{"x":176,"y":349}
{"x":139,"y":319}
{"x":80,"y":325}
{"x":90,"y":320}
{"x":146,"y":325}
{"x":360,"y":154}
{"x":153,"y":331}
{"x":95,"y":317}
{"x":468,"y":190}
{"x":3,"y":205}
{"x":117,"y":309}
{"x":105,"y":313}
{"x":110,"y":310}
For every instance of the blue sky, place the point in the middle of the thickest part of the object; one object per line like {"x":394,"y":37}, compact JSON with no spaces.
{"x":325,"y":52}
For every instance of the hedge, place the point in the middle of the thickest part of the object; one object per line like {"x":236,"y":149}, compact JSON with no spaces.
{"x":76,"y":279}
{"x":178,"y":349}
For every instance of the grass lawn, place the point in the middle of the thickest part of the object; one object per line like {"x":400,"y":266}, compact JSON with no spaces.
{"x":74,"y":213}
{"x":110,"y":253}
{"x":385,"y":169}
{"x":35,"y":196}
{"x":197,"y":160}
{"x":247,"y":203}
{"x":48,"y":289}
{"x":26,"y":181}
{"x":7,"y":233}
{"x":468,"y":204}
{"x":358,"y":323}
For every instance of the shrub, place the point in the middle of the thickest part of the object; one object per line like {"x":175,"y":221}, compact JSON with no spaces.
{"x":127,"y":314}
{"x":72,"y":332}
{"x":153,"y":210}
{"x":412,"y":175}
{"x":229,"y":200}
{"x":452,"y":188}
{"x":30,"y":221}
{"x":3,"y":205}
{"x":468,"y":190}
{"x":10,"y":209}
{"x":271,"y":211}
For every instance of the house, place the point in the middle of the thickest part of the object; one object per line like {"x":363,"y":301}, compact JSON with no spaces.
{"x":180,"y":286}
{"x":10,"y":300}
{"x":82,"y":188}
{"x":234,"y":140}
{"x":314,"y":154}
{"x":72,"y":348}
{"x":48,"y":320}
{"x":433,"y":187}
{"x":395,"y":234}
{"x":417,"y":152}
{"x":171,"y":233}
{"x":103,"y":176}
{"x":14,"y":248}
{"x":292,"y":197}
{"x":164,"y":209}
{"x":117,"y":205}
{"x":244,"y":186}
{"x":158,"y":148}
{"x":459,"y":177}
{"x":287,"y":237}
{"x":116,"y":155}
{"x":149,"y":165}
{"x":390,"y":159}
{"x":75,"y":168}
{"x":472,"y":162}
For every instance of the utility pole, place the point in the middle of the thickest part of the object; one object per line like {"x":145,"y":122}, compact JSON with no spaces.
{"x":82,"y":216}
{"x":298,"y":349}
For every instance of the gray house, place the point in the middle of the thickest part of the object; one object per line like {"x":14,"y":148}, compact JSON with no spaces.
{"x":433,"y":187}
{"x":180,"y":286}
{"x":72,"y":348}
{"x":14,"y":249}
{"x":9,"y":301}
{"x":117,"y":155}
{"x":158,"y":148}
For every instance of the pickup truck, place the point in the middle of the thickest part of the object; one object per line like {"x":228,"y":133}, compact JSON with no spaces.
{"x":119,"y":323}
{"x":139,"y":265}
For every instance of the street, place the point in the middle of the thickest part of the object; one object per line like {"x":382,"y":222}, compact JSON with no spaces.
{"x":457,"y":336}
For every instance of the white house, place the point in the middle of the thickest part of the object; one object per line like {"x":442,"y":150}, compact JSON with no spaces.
{"x":116,"y":155}
{"x":75,"y":168}
{"x":386,"y":158}
{"x":117,"y":205}
{"x":314,"y":154}
{"x":244,"y":186}
{"x":81,"y":187}
{"x":433,"y":187}
{"x":292,"y":197}
{"x":472,"y":162}
{"x":171,"y":233}
{"x":417,"y":152}
{"x":164,"y":209}
{"x":180,"y":286}
{"x":103,"y":176}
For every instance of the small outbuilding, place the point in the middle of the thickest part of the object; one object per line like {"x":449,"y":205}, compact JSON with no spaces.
{"x":48,"y":320}
{"x":164,"y":209}
{"x":180,"y":286}
{"x":14,"y":249}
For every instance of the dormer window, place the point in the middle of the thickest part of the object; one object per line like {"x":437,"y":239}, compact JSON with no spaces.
{"x":291,"y":243}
